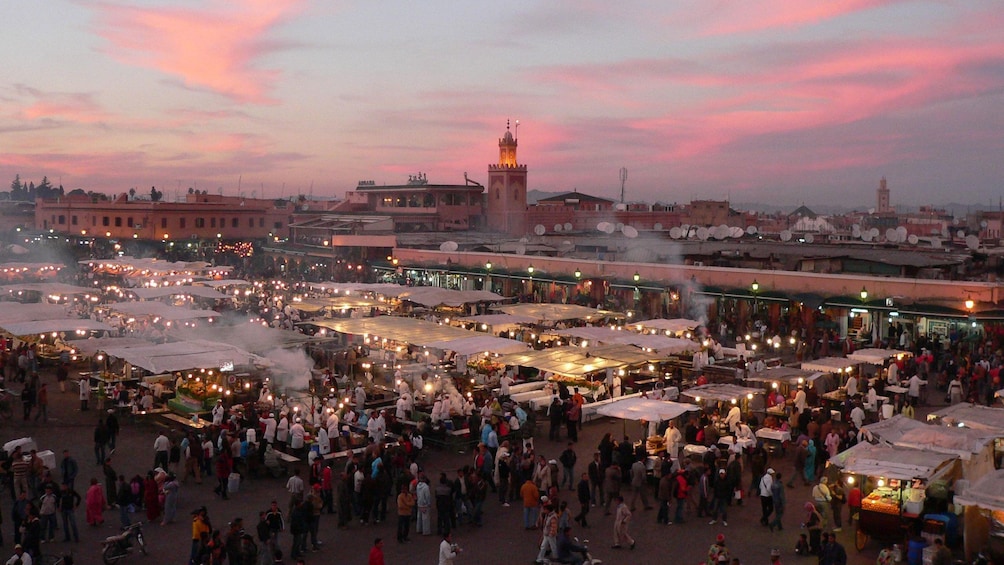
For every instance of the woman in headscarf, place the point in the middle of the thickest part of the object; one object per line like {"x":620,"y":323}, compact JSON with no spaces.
{"x":95,"y":501}
{"x":151,"y":497}
{"x":813,"y":523}
{"x":170,"y":489}
{"x":810,"y":461}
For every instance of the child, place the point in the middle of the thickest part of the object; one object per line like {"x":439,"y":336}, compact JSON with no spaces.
{"x":802,"y":546}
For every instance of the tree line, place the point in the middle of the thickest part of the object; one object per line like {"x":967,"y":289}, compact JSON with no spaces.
{"x":29,"y":191}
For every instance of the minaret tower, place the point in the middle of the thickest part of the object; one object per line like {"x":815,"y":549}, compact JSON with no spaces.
{"x":506,"y":199}
{"x":883,"y":198}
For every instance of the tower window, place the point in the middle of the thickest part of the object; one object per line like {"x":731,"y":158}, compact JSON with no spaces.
{"x":498,"y":194}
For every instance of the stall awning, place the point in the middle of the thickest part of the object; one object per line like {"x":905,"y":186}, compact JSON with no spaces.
{"x":543,"y":313}
{"x":890,"y":429}
{"x":253,"y":337}
{"x":830,"y":365}
{"x":337,"y":303}
{"x":159,"y":309}
{"x":606,"y":335}
{"x":396,"y":328}
{"x":60,"y":325}
{"x":675,"y":325}
{"x":184,"y":355}
{"x":88,"y":347}
{"x":11,"y":312}
{"x":877,"y":356}
{"x":47,"y":289}
{"x":638,"y":408}
{"x":971,"y":416}
{"x":892,"y":462}
{"x":578,"y":361}
{"x":788,"y":375}
{"x":721,"y":392}
{"x":988,"y":492}
{"x":177,"y":290}
{"x":498,"y":319}
{"x":480,"y":344}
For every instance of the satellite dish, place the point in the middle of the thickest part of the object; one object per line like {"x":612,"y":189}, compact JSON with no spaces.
{"x":703,"y":233}
{"x":737,"y":232}
{"x":675,"y":232}
{"x":657,"y":226}
{"x":568,"y":226}
{"x":448,"y":246}
{"x":566,"y":243}
{"x":891,"y":236}
{"x":685,"y":228}
{"x":524,"y":239}
{"x":944,"y":231}
{"x":809,"y":238}
{"x":983,"y":224}
{"x":785,"y":235}
{"x":856,"y":231}
{"x":960,"y":234}
{"x":620,"y":226}
{"x":913,"y":239}
{"x":901,"y":234}
{"x":752,"y":230}
{"x":955,"y":221}
{"x":557,"y":227}
{"x":936,"y":242}
{"x":867,"y":236}
{"x":602,"y":226}
{"x":630,"y":232}
{"x":610,"y":228}
{"x":720,"y":232}
{"x":874,"y":232}
{"x":972,"y":242}
{"x":521,"y":249}
{"x":539,"y":229}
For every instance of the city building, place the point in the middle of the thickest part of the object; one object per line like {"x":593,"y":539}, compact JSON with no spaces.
{"x":199,"y":216}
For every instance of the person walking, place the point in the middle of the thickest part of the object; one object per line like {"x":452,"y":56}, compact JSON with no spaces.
{"x":171,"y":487}
{"x":549,"y":531}
{"x":622,"y":520}
{"x":681,"y":492}
{"x":447,"y":550}
{"x":42,"y":401}
{"x":582,"y":492}
{"x":376,"y":553}
{"x":85,"y":393}
{"x":595,"y":470}
{"x":778,"y":496}
{"x":568,"y":459}
{"x":611,"y":486}
{"x":68,"y":469}
{"x":531,"y":503}
{"x":423,"y":499}
{"x":766,"y":496}
{"x":722,"y":489}
{"x":48,"y":504}
{"x":95,"y":504}
{"x":639,"y":476}
{"x":100,"y":442}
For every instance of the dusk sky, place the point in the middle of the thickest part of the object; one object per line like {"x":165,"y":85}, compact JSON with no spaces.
{"x":773,"y":101}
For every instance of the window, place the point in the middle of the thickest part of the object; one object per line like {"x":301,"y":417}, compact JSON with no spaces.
{"x":181,"y":223}
{"x":163,"y":222}
{"x":250,"y":222}
{"x":233,"y":223}
{"x":200,"y":222}
{"x":212,"y":222}
{"x":62,"y":219}
{"x":73,"y":220}
{"x":129,"y":222}
{"x":277,"y":225}
{"x":223,"y":222}
{"x":118,"y":221}
{"x":104,"y":221}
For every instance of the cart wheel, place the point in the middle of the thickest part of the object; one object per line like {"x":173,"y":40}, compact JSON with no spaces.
{"x":860,"y":539}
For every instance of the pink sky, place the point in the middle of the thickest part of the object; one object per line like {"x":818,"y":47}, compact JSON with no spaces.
{"x":773,"y":102}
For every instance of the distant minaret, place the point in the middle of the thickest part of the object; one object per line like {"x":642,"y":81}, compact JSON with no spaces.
{"x":506,"y":200}
{"x":883,"y":198}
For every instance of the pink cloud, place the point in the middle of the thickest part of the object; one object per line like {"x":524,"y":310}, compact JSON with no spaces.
{"x":214,"y":48}
{"x":744,"y":17}
{"x":76,"y":107}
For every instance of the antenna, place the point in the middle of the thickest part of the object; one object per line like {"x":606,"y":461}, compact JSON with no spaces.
{"x":623,"y":180}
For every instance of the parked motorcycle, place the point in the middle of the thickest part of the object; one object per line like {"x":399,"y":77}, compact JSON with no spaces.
{"x":587,"y":558}
{"x":118,"y":546}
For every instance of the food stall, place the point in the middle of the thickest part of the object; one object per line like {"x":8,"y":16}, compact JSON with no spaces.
{"x":894,"y":482}
{"x":677,"y":327}
{"x":983,"y":516}
{"x":647,"y":410}
{"x":726,"y":395}
{"x":974,"y":416}
{"x":787,"y":380}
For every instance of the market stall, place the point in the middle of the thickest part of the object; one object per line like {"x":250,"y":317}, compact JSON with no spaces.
{"x":983,"y":516}
{"x":895,"y":483}
{"x":727,"y":395}
{"x":549,"y":314}
{"x":647,"y":410}
{"x":874,"y":356}
{"x":606,"y":335}
{"x":983,"y":418}
{"x":679,"y":327}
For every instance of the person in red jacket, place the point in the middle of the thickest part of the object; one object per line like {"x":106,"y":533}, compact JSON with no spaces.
{"x":854,"y":502}
{"x":682,"y":490}
{"x":376,"y":552}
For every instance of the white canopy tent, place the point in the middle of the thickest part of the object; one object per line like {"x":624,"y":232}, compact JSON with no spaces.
{"x":494,"y":320}
{"x":159,"y":309}
{"x":223,"y":282}
{"x":839,"y":365}
{"x":971,"y":416}
{"x":894,"y":462}
{"x":787,"y":375}
{"x":89,"y":347}
{"x":889,"y":430}
{"x":544,"y":313}
{"x":184,"y":355}
{"x":607,"y":335}
{"x":47,"y":289}
{"x":877,"y":356}
{"x":638,"y":408}
{"x":60,"y":325}
{"x":721,"y":392}
{"x":178,"y":290}
{"x":476,"y":344}
{"x":675,"y":326}
{"x":255,"y":338}
{"x":11,"y":312}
